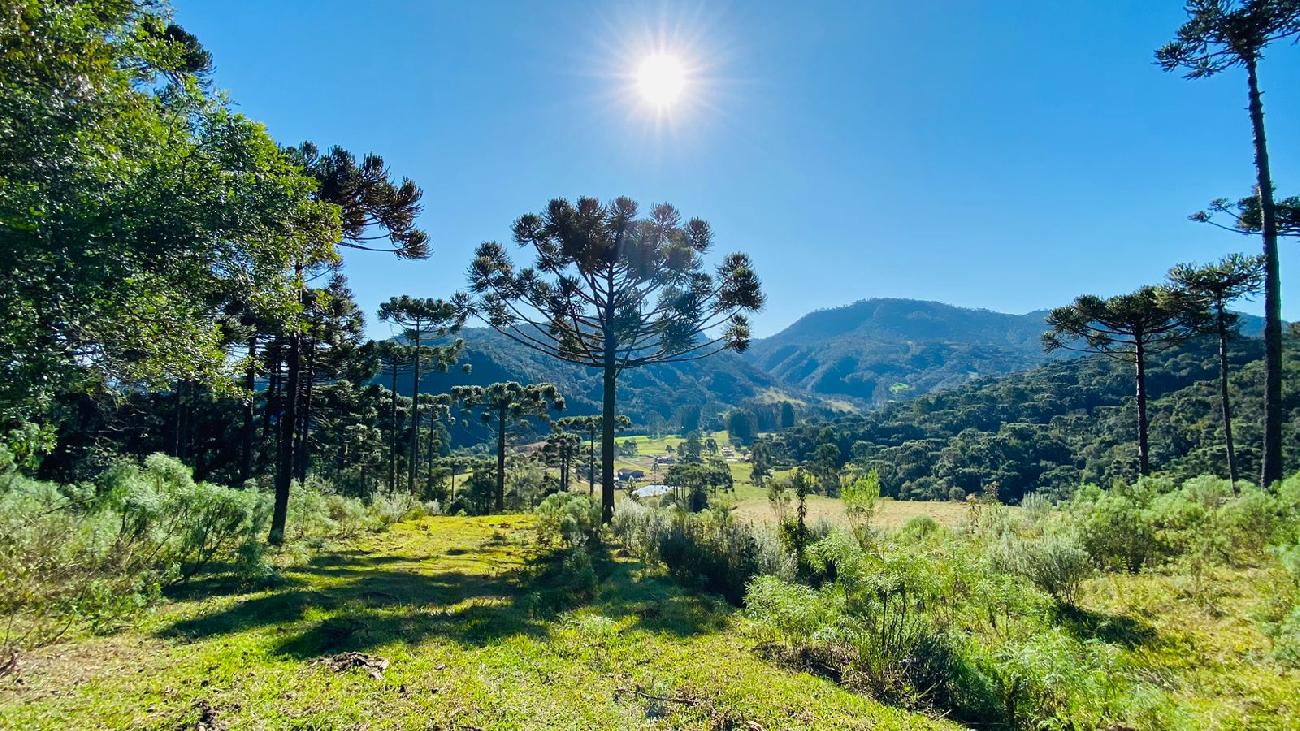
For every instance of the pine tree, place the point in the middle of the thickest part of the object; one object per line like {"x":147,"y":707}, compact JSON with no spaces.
{"x":1219,"y":35}
{"x":1127,"y":327}
{"x":502,"y":406}
{"x":612,"y":291}
{"x":1217,"y":285}
{"x":422,"y":317}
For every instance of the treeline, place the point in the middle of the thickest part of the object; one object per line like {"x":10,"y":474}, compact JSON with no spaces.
{"x":173,"y":278}
{"x":1058,"y":426}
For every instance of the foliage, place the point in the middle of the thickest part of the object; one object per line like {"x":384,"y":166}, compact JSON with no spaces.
{"x":568,"y":520}
{"x":697,"y":481}
{"x":613,"y":291}
{"x":709,"y":549}
{"x":1056,"y":563}
{"x":1051,"y":429}
{"x":117,"y":266}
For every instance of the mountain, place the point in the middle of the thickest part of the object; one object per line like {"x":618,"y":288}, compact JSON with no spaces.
{"x":884,"y":349}
{"x":880,"y":350}
{"x":650,"y":395}
{"x":868,"y":353}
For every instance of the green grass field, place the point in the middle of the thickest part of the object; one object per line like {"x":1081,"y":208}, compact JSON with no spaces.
{"x":472,"y":642}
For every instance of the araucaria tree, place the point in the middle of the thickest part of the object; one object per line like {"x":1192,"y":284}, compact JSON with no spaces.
{"x":1127,"y":327}
{"x":1217,"y":285}
{"x":591,"y":425}
{"x":612,"y":291}
{"x":421,"y":317}
{"x":371,"y":208}
{"x":502,"y":406}
{"x":560,"y":451}
{"x":392,"y":356}
{"x":1218,"y":35}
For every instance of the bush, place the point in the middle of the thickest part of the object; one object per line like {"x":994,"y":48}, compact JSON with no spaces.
{"x":709,"y":549}
{"x":867,"y":629}
{"x":1057,"y":564}
{"x":918,"y":528}
{"x":175,"y":526}
{"x":1116,"y":527}
{"x":567,"y":519}
{"x":640,"y":529}
{"x":88,"y":555}
{"x":713,"y":550}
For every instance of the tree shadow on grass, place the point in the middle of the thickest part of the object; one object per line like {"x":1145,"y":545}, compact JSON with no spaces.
{"x":356,"y":602}
{"x":1114,"y":629}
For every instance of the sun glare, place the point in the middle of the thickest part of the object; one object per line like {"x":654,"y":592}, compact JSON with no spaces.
{"x":661,"y":78}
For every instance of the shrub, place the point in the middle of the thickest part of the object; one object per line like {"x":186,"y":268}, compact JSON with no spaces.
{"x":1055,"y":563}
{"x":714,"y":550}
{"x":918,"y":528}
{"x":1116,"y":527}
{"x":710,"y":549}
{"x":175,"y":526}
{"x":867,"y":629}
{"x":387,"y":508}
{"x":90,"y":554}
{"x":567,"y":519}
{"x":640,"y":529}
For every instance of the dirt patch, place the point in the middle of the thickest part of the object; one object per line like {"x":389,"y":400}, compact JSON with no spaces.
{"x":370,"y":664}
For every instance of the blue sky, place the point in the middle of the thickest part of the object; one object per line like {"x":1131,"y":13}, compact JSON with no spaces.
{"x":1007,"y":155}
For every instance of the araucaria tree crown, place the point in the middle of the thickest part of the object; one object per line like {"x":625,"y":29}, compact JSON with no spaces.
{"x":612,"y":290}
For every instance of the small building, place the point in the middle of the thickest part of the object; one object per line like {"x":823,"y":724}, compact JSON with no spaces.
{"x":626,"y":474}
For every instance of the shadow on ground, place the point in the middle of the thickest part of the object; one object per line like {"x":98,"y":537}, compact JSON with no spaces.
{"x":354,"y":602}
{"x":1114,"y":629}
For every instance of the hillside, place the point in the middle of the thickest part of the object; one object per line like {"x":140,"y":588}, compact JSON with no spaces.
{"x":1063,"y":423}
{"x":651,"y":395}
{"x":879,"y":350}
{"x":871,"y":352}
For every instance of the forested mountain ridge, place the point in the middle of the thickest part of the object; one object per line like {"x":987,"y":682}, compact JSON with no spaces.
{"x":872,"y":352}
{"x":1061,"y":424}
{"x":656,"y":397}
{"x":879,"y":350}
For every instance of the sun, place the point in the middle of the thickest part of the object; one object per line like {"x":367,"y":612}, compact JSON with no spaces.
{"x":661,"y":79}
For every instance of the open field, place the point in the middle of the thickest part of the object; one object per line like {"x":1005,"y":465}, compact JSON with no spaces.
{"x":890,"y":514}
{"x":473,"y":643}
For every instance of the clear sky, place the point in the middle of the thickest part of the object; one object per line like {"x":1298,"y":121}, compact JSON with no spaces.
{"x":1007,"y":155}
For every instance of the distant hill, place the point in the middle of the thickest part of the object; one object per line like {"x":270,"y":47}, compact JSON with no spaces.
{"x":867,"y":353}
{"x":879,"y":350}
{"x":650,"y":394}
{"x":1063,"y":423}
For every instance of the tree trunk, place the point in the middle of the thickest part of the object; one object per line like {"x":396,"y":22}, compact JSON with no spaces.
{"x":273,"y":386}
{"x":288,"y":422}
{"x":392,"y":441}
{"x":250,"y":383}
{"x":501,"y":461}
{"x":591,"y":463}
{"x":415,"y":415}
{"x":302,"y":451}
{"x":607,"y":436}
{"x":178,"y":426}
{"x":284,"y":461}
{"x":428,"y":459}
{"x":1221,"y":321}
{"x":1139,"y":359}
{"x":1271,"y":471}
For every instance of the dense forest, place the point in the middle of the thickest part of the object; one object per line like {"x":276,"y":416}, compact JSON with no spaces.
{"x":1056,"y":427}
